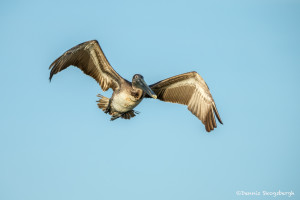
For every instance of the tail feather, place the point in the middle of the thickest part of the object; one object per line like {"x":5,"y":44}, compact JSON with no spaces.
{"x":103,"y":102}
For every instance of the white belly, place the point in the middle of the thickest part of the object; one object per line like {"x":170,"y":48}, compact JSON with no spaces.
{"x":122,"y":102}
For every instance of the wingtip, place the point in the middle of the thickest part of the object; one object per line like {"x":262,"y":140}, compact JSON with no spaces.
{"x":50,"y":77}
{"x":217,"y":114}
{"x":219,"y":119}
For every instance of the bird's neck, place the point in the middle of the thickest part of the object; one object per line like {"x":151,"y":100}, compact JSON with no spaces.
{"x":137,"y":93}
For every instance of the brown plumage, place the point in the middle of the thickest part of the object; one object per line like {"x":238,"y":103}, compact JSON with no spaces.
{"x":188,"y":89}
{"x":89,"y":57}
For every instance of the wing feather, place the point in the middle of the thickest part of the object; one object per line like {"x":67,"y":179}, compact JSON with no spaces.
{"x":89,"y":57}
{"x":189,"y":89}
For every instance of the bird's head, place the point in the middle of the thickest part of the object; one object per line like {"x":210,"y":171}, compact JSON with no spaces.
{"x":138,"y":82}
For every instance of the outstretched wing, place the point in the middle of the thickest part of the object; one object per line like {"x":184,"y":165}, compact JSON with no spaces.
{"x":189,"y":89}
{"x":88,"y":57}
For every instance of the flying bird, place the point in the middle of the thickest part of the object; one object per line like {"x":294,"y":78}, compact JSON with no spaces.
{"x":188,"y":89}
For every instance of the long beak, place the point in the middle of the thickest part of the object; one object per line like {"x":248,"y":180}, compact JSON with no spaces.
{"x":146,"y":88}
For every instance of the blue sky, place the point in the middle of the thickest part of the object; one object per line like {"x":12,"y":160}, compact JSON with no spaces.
{"x":56,"y":144}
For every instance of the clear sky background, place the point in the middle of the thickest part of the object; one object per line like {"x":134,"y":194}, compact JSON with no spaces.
{"x":56,"y":144}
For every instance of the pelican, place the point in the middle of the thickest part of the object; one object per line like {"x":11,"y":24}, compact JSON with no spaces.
{"x":188,"y":89}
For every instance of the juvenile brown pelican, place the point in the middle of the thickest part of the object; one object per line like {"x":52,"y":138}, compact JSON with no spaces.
{"x":188,"y":88}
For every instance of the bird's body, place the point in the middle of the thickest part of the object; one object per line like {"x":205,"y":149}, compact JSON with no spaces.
{"x":123,"y":101}
{"x":188,"y":88}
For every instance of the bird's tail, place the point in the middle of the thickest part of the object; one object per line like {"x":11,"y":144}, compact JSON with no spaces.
{"x":103,"y":102}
